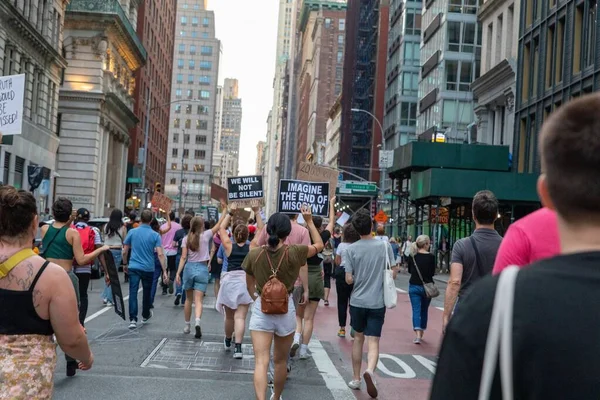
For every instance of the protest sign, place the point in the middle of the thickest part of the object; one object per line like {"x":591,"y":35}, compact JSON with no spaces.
{"x":162,"y":202}
{"x":241,"y":216}
{"x":213,"y":213}
{"x":12,"y":89}
{"x":115,"y":285}
{"x":343,"y":219}
{"x":293,"y":194}
{"x":244,"y":189}
{"x":314,"y":173}
{"x":217,"y":192}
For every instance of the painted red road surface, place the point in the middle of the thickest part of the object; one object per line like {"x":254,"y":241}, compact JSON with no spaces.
{"x":407,"y":368}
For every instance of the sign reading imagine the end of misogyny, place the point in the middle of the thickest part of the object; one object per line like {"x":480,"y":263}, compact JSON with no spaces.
{"x":293,"y":194}
{"x":12,"y":89}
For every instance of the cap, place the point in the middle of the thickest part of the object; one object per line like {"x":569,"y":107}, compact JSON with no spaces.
{"x":83,"y":213}
{"x":251,"y":229}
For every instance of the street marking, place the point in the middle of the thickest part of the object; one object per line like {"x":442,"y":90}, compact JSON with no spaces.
{"x":408,"y":373}
{"x":333,"y":379}
{"x":156,"y":349}
{"x":401,"y":291}
{"x":440,"y":308}
{"x":105,"y":309}
{"x":427,"y":363}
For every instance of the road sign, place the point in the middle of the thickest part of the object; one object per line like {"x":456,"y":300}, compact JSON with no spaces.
{"x":357,"y":187}
{"x":383,"y":201}
{"x":381,"y":217}
{"x":141,"y":190}
{"x":386,"y":158}
{"x":134,"y":180}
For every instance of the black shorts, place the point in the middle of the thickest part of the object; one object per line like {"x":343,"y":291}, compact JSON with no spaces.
{"x":367,"y":321}
{"x":215,"y":269}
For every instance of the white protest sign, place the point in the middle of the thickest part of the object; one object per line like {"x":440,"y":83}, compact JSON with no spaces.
{"x":12,"y":89}
{"x":300,"y":219}
{"x":341,"y":221}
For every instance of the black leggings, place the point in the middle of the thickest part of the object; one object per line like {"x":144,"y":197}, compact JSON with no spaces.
{"x":343,"y":295}
{"x":328,"y":271}
{"x":172,"y":269}
{"x":84,"y":284}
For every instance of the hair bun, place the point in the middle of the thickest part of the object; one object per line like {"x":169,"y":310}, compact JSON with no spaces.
{"x":9,"y":196}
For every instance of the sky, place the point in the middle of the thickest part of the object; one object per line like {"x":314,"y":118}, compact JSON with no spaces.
{"x":248,"y":33}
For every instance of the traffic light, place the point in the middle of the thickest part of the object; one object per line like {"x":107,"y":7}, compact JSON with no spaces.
{"x":158,"y":187}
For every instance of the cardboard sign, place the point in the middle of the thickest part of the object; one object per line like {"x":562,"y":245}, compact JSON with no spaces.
{"x":315,"y":173}
{"x":12,"y":89}
{"x":115,"y":285}
{"x":162,"y":202}
{"x":217,"y":192}
{"x":241,"y":216}
{"x":293,"y":194}
{"x":244,"y":189}
{"x":213,"y":213}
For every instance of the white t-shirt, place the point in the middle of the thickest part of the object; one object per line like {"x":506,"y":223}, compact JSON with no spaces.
{"x":341,"y":251}
{"x":383,"y":238}
{"x":407,"y":246}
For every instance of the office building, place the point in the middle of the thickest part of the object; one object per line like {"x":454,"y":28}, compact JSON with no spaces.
{"x":260,"y":157}
{"x":194,"y":91}
{"x":156,"y":29}
{"x":96,"y":104}
{"x":450,"y":60}
{"x":321,"y":44}
{"x":402,"y":77}
{"x":31,"y":40}
{"x":558,"y":60}
{"x":231,"y":126}
{"x":334,"y":127}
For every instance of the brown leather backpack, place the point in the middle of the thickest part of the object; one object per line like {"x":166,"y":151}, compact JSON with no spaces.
{"x":274,"y":295}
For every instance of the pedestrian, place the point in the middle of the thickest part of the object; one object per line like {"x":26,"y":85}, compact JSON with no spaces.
{"x":169,"y":228}
{"x":233,"y":299}
{"x":344,"y":290}
{"x":443,"y":255}
{"x":114,"y":235}
{"x":549,"y":346}
{"x":177,"y":240}
{"x":155,"y":226}
{"x":473,"y":257}
{"x":365,"y":262}
{"x":61,"y":244}
{"x":328,"y":255}
{"x":195,"y":257}
{"x":530,"y":239}
{"x":380,"y":234}
{"x":286,"y":263}
{"x":421,"y":267}
{"x":143,"y":242}
{"x":406,"y":246}
{"x":216,"y":266}
{"x":316,"y":286}
{"x":395,"y":249}
{"x":37,"y":300}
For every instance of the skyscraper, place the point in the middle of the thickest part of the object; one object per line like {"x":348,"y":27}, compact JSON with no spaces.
{"x":231,"y":126}
{"x":194,"y":89}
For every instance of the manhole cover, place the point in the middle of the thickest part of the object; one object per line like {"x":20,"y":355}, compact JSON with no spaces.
{"x":199,"y":356}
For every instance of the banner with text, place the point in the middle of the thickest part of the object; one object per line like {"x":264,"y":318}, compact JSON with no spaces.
{"x":12,"y":89}
{"x":244,"y":189}
{"x":293,"y":194}
{"x":162,"y":202}
{"x":316,"y":173}
{"x":213,"y":213}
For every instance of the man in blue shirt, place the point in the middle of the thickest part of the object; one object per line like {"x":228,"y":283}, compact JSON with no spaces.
{"x":143,"y":242}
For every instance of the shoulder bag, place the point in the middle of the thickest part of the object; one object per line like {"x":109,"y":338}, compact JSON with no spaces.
{"x":45,"y":248}
{"x":430,"y":289}
{"x":499,"y":339}
{"x":274,"y":296}
{"x":390,"y":295}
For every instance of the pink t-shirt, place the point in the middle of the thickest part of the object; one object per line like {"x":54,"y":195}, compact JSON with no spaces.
{"x":528,"y":240}
{"x":203,"y":253}
{"x":167,"y":238}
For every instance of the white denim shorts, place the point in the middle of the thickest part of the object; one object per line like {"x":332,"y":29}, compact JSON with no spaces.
{"x":281,"y":325}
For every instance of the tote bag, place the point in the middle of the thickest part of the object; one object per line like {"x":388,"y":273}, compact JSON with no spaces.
{"x":390,"y":296}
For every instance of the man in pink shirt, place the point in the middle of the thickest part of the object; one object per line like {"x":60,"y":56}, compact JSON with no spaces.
{"x":170,"y":252}
{"x":532,"y":238}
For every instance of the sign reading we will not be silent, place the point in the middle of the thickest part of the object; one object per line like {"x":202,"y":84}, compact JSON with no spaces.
{"x":12,"y":89}
{"x":293,"y":194}
{"x":244,"y":189}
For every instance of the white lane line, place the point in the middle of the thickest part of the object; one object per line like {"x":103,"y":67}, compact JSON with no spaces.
{"x":401,"y":291}
{"x":333,"y":379}
{"x":440,"y":308}
{"x":156,"y":349}
{"x":105,"y":309}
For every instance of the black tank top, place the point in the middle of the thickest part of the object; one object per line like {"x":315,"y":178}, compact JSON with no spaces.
{"x":17,"y":313}
{"x":237,"y":256}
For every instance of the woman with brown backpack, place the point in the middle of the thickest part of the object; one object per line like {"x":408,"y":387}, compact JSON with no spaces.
{"x":271,"y":272}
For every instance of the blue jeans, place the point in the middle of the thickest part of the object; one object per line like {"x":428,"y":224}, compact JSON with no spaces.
{"x":156,"y":276}
{"x":179,"y":288}
{"x":135,"y":276}
{"x":117,"y":256}
{"x":420,"y":306}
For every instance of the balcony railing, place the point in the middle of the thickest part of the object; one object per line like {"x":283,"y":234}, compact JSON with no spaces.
{"x":108,"y":7}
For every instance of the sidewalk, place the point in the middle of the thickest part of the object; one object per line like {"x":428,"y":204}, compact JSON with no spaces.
{"x":443,"y":278}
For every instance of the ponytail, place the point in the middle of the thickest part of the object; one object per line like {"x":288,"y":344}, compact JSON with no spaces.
{"x":419,"y":243}
{"x":273,"y":240}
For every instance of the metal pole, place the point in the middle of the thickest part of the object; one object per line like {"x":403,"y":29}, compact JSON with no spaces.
{"x":146,"y":136}
{"x":181,"y":179}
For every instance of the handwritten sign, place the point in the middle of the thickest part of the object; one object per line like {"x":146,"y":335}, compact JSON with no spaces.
{"x":244,"y":189}
{"x":213,"y":213}
{"x":217,"y":192}
{"x":315,"y":173}
{"x":293,"y":194}
{"x":162,"y":202}
{"x":12,"y":89}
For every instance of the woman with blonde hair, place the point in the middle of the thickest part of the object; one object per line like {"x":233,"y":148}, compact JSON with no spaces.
{"x":421,"y":267}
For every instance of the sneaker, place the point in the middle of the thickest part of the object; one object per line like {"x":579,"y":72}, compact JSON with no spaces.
{"x":177,"y":299}
{"x":227,"y":343}
{"x":273,"y":397}
{"x":326,"y":302}
{"x":237,"y":353}
{"x":294,"y":349}
{"x":289,"y":368}
{"x":354,"y":385}
{"x":303,"y":355}
{"x":371,"y":384}
{"x":145,"y":320}
{"x":417,"y":340}
{"x":104,"y":301}
{"x":342,"y":332}
{"x":352,"y":333}
{"x":108,"y":304}
{"x":187,"y":329}
{"x":132,"y":324}
{"x":164,"y":292}
{"x":198,"y":334}
{"x":72,"y":368}
{"x":171,"y":287}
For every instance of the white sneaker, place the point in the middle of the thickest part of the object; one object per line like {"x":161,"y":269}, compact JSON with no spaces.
{"x":354,"y":385}
{"x":187,"y":329}
{"x":273,"y":397}
{"x":132,"y":325}
{"x":303,"y":355}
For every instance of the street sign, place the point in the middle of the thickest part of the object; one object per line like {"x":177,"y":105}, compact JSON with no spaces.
{"x":381,"y":217}
{"x":134,"y":180}
{"x":141,"y":190}
{"x":380,"y":201}
{"x":357,"y":187}
{"x":386,"y":159}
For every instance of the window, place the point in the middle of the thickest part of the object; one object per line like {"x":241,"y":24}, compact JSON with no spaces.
{"x":199,"y":154}
{"x":203,"y":125}
{"x":413,"y":22}
{"x":188,"y":124}
{"x":339,"y":72}
{"x":190,"y":94}
{"x":205,"y":21}
{"x":200,"y":139}
{"x":184,"y":20}
{"x":536,"y":65}
{"x":457,"y":113}
{"x":202,"y":109}
{"x":206,"y":50}
{"x":199,"y":168}
{"x":185,"y":6}
{"x":204,"y":80}
{"x":411,"y":53}
{"x":526,"y":71}
{"x":590,"y":34}
{"x":191,"y":78}
{"x":180,"y":63}
{"x":176,"y":123}
{"x":176,"y":138}
{"x":453,"y":36}
{"x":463,"y":6}
{"x":461,"y":36}
{"x":194,"y":21}
{"x":173,"y":181}
{"x":205,"y":35}
{"x":188,"y":109}
{"x":192,"y":64}
{"x":185,"y":168}
{"x":177,"y":108}
{"x":174,"y":166}
{"x":182,"y":33}
{"x":342,"y":25}
{"x":340,"y":39}
{"x":204,"y":94}
{"x":408,"y":114}
{"x":206,"y":65}
{"x":179,"y":78}
{"x":340,"y":56}
{"x":186,"y":138}
{"x":186,"y":153}
{"x":338,"y":89}
{"x":410,"y":83}
{"x":327,"y":23}
{"x":550,"y":55}
{"x":178,"y":93}
{"x":194,"y":34}
{"x":192,"y":49}
{"x":181,"y":48}
{"x":175,"y":153}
